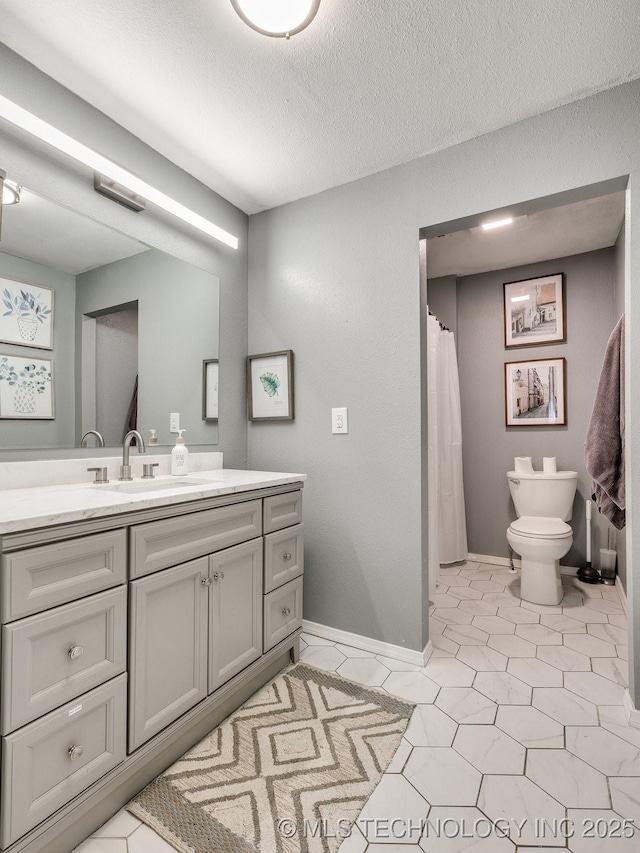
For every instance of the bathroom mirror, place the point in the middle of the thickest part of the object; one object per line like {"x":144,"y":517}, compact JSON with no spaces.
{"x":131,"y":328}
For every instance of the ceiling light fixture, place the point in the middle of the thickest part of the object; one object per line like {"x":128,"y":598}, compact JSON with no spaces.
{"x":498,"y":223}
{"x":277,"y":18}
{"x":72,"y":148}
{"x":10,"y":193}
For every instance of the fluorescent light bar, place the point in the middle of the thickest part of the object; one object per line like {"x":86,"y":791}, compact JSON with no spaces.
{"x":57,"y":139}
{"x":520,"y":298}
{"x":498,"y":223}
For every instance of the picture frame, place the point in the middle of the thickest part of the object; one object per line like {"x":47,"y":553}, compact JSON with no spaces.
{"x":534,"y":311}
{"x":536,"y":392}
{"x":210,"y":376}
{"x":26,"y":388}
{"x":270,"y":386}
{"x":26,"y":314}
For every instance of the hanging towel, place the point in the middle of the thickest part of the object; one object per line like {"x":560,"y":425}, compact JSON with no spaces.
{"x":604,"y":447}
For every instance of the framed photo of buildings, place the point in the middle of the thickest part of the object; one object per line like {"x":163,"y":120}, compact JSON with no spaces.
{"x":536,"y":392}
{"x":534,"y":311}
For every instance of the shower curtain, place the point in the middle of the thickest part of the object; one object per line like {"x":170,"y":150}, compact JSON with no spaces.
{"x":447,"y":521}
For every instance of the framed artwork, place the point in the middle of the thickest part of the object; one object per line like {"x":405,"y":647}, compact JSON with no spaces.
{"x":270,"y":386}
{"x":536,"y":392}
{"x":210,"y":371}
{"x":26,"y":388}
{"x":534,"y":311}
{"x":26,"y":318}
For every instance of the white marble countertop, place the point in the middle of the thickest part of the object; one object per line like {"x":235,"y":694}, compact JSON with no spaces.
{"x":47,"y":506}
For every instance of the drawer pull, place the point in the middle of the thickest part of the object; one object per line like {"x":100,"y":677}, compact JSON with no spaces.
{"x":219,"y":576}
{"x":206,"y":581}
{"x":286,"y":611}
{"x":75,"y":652}
{"x":75,"y":752}
{"x":286,"y":556}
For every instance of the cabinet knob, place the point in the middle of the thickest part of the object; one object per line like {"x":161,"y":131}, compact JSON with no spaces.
{"x":75,"y":652}
{"x":286,"y":556}
{"x":206,"y":581}
{"x":218,"y":576}
{"x":286,"y":611}
{"x":75,"y":752}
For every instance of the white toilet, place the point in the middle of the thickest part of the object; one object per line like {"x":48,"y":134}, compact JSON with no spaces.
{"x":540,"y":534}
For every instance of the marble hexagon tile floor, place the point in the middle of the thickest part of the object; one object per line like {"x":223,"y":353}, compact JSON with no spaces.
{"x":519,"y":726}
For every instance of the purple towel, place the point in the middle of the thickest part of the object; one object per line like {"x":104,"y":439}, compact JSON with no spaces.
{"x":604,"y":446}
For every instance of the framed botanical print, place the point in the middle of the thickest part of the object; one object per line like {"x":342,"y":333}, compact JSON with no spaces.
{"x":26,"y":388}
{"x":534,"y":311}
{"x":270,"y":386}
{"x":26,"y":318}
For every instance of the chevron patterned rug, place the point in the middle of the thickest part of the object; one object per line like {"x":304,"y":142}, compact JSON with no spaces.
{"x":286,"y":773}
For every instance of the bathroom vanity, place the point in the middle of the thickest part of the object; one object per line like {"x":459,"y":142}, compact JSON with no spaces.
{"x":134,"y":619}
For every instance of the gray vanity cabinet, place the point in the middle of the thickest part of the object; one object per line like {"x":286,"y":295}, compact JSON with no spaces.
{"x":168,"y":647}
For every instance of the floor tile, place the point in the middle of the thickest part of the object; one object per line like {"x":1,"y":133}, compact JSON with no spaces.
{"x":518,"y":799}
{"x":625,"y":798}
{"x":587,"y":614}
{"x":567,"y":778}
{"x":466,"y":705}
{"x":466,"y":635}
{"x":487,"y":586}
{"x":541,"y":609}
{"x":465,"y":593}
{"x":429,"y":726}
{"x":490,"y":750}
{"x":607,"y":821}
{"x":357,"y":843}
{"x":121,"y":825}
{"x":364,"y":670}
{"x":394,"y":665}
{"x":443,"y":599}
{"x":519,"y":615}
{"x":595,"y":688}
{"x":541,"y":635}
{"x":564,"y":706}
{"x":478,"y":607}
{"x":402,"y":754}
{"x":535,"y":672}
{"x":145,"y":840}
{"x":621,"y":621}
{"x":453,"y":581}
{"x":443,"y":776}
{"x":352,"y":652}
{"x":449,"y":673}
{"x":564,"y":659}
{"x":613,"y":718}
{"x":623,"y":652}
{"x":444,"y":644}
{"x":502,"y":599}
{"x":103,"y":845}
{"x":494,"y":624}
{"x":606,"y":606}
{"x":512,"y":646}
{"x":610,"y":633}
{"x":503,"y":688}
{"x":413,"y":686}
{"x":563,"y":624}
{"x":452,"y":616}
{"x":324,"y":657}
{"x":603,"y":750}
{"x":457,"y":829}
{"x":483,"y":658}
{"x":530,"y":727}
{"x":312,"y":640}
{"x":394,"y":799}
{"x":591,"y":646}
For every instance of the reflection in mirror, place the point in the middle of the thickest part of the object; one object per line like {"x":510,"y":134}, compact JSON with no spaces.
{"x":131,"y":328}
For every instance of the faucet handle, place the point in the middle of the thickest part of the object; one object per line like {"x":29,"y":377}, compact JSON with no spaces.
{"x":147,"y":470}
{"x":101,"y":475}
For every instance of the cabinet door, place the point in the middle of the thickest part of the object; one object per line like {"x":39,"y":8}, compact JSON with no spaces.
{"x":168,"y":648}
{"x":235,"y":611}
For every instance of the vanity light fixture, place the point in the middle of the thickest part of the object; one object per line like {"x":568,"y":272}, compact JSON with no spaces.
{"x":10,"y":192}
{"x":72,"y":148}
{"x":277,"y":18}
{"x":497,"y":223}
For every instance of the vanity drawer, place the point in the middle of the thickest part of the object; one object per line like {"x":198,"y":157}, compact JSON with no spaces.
{"x":47,"y":763}
{"x":282,"y":612}
{"x":282,"y":511}
{"x":283,"y":557}
{"x":50,"y":658}
{"x":160,"y":544}
{"x":38,"y":578}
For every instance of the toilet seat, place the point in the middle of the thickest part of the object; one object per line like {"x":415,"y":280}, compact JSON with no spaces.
{"x":538,"y":527}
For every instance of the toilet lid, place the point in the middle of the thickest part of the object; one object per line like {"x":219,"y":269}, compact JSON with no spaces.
{"x":540,"y":528}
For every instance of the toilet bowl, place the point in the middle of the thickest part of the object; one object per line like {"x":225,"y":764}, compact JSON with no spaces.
{"x":541,"y":542}
{"x":540,"y":534}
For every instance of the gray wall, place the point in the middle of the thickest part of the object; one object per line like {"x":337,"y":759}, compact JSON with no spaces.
{"x":178,"y":327}
{"x":52,"y":175}
{"x":60,"y":431}
{"x":116,"y":371}
{"x":488,"y":445}
{"x":335,"y":277}
{"x":442,"y":299}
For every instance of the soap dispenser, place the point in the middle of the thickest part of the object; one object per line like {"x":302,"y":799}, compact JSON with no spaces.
{"x":180,"y":456}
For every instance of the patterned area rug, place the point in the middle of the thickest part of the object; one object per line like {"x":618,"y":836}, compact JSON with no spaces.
{"x":286,"y":773}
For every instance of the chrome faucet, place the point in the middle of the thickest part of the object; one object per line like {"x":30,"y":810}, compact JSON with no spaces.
{"x":99,"y":438}
{"x":125,"y":468}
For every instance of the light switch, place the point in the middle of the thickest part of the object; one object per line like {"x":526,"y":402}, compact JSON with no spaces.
{"x":174,"y":422}
{"x":339,"y":421}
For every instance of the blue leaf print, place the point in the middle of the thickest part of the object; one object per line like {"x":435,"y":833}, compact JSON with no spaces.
{"x":270,"y":383}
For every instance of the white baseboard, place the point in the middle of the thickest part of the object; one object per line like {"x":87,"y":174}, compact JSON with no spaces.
{"x":623,"y":596}
{"x":367,"y":644}
{"x":505,"y":561}
{"x":633,"y":715}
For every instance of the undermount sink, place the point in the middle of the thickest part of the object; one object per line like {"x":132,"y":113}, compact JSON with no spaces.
{"x":143,"y":486}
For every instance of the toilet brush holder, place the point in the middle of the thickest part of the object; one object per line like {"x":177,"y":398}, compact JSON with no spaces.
{"x":608,"y":566}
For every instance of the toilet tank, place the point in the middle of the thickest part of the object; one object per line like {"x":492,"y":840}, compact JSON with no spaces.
{"x":546,"y":495}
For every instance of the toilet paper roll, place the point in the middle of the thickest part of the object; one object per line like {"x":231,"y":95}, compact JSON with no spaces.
{"x":522,"y":465}
{"x":549,"y":465}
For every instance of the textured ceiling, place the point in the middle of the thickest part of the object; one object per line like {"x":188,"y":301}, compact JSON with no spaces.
{"x":368,"y":85}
